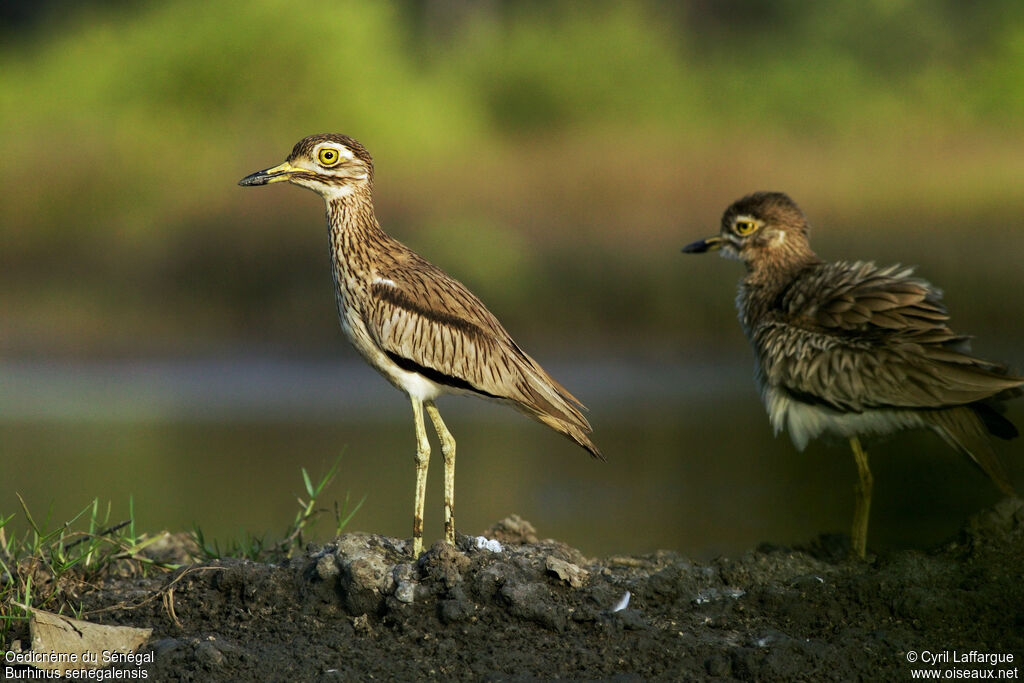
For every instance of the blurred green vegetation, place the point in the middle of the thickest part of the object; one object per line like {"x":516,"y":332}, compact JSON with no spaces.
{"x":554,"y":156}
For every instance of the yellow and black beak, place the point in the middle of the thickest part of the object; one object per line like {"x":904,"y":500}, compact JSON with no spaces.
{"x":701,"y":246}
{"x":270,"y":175}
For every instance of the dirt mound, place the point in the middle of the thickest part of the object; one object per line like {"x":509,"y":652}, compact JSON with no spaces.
{"x":361,"y":608}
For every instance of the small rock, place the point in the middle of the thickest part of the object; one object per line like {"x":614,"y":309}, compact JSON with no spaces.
{"x":209,"y":655}
{"x":327,"y":567}
{"x":361,"y":625}
{"x":405,"y":592}
{"x":365,"y":573}
{"x":59,"y":633}
{"x":404,"y":577}
{"x":572,"y":574}
{"x":513,"y":530}
{"x":404,"y":572}
{"x":484,"y":543}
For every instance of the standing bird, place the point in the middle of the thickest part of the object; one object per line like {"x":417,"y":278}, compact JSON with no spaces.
{"x":851,"y":348}
{"x":420,"y":328}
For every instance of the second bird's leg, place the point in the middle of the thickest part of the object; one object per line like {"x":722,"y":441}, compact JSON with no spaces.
{"x":448,"y":451}
{"x":422,"y":461}
{"x":862,"y":502}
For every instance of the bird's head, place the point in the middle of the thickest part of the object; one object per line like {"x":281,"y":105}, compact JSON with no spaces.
{"x":331,"y":165}
{"x":761,"y":226}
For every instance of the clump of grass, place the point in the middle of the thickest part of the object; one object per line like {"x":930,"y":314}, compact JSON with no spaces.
{"x":46,"y":566}
{"x":257,"y":549}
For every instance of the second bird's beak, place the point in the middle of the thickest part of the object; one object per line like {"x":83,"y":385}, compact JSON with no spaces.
{"x":700,"y":246}
{"x":269,"y":175}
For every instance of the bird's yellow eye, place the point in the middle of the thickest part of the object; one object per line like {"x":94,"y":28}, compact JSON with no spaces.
{"x":744,"y":227}
{"x":328,"y":156}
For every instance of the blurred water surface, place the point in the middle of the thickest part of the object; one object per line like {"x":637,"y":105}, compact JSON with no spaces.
{"x":692,"y":464}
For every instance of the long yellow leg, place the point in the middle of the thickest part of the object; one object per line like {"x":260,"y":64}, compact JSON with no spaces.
{"x":422,"y":461}
{"x":448,"y":450}
{"x":862,"y":501}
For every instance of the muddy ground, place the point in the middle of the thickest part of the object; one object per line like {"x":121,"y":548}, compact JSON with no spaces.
{"x":360,"y":608}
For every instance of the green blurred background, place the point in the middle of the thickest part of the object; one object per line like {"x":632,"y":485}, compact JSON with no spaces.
{"x":552,"y":155}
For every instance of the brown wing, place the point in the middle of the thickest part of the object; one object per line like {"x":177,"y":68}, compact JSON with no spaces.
{"x":428,"y":322}
{"x":856,"y":336}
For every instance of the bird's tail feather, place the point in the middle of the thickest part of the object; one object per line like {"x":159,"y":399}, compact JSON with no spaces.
{"x":570,"y":429}
{"x":547,"y":401}
{"x":990,"y":414}
{"x":963,"y":429}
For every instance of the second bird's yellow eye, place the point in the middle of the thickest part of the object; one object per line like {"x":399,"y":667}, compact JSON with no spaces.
{"x":328,"y":156}
{"x":745,"y":227}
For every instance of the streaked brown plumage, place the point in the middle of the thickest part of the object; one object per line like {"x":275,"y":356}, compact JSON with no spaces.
{"x":853,"y":348}
{"x":419,"y":327}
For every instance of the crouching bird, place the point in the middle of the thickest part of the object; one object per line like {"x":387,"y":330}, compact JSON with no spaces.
{"x":854,"y":349}
{"x":420,"y":328}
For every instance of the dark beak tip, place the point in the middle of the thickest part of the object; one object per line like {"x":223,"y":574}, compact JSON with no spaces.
{"x":698,"y":247}
{"x":258,"y":178}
